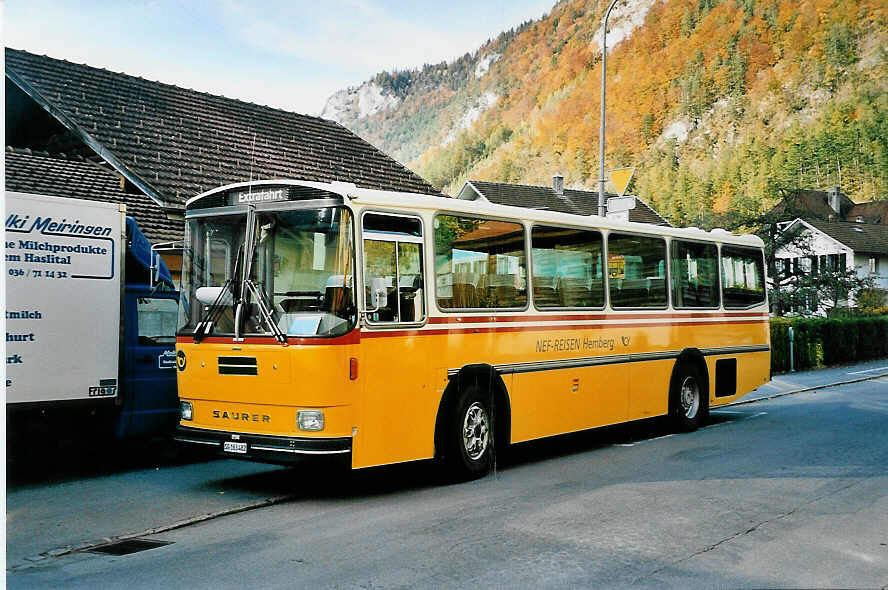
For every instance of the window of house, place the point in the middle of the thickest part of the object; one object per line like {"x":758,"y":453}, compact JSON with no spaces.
{"x":873,"y":265}
{"x":743,"y":276}
{"x":568,"y":267}
{"x":812,"y":302}
{"x":694,"y":274}
{"x":636,"y":269}
{"x":479,"y":263}
{"x":833,"y":262}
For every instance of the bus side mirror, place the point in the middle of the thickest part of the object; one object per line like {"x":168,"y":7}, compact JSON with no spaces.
{"x":209,"y":295}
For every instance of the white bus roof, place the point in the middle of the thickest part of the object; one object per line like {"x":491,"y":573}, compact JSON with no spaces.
{"x":401,"y":201}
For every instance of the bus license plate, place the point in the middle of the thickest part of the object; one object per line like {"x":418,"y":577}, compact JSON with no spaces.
{"x":234,"y":447}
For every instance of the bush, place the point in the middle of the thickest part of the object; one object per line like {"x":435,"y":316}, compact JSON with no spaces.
{"x":870,"y":300}
{"x":807,"y":352}
{"x":779,"y":345}
{"x":828,"y":341}
{"x":868,"y":338}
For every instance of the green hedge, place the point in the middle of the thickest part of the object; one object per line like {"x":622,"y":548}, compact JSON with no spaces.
{"x":828,"y":341}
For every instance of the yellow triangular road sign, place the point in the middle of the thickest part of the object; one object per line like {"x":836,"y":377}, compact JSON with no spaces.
{"x":620,"y":179}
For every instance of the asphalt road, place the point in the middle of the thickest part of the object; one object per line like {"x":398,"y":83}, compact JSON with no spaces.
{"x":790,"y":492}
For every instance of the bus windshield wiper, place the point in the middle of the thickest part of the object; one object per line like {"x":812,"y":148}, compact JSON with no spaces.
{"x":248,"y":287}
{"x":264,"y":311}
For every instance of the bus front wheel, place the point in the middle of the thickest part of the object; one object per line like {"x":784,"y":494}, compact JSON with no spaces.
{"x":688,"y":400}
{"x":469,"y":440}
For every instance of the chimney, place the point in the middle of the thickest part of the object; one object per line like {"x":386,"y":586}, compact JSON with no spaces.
{"x":833,"y":200}
{"x":558,"y":184}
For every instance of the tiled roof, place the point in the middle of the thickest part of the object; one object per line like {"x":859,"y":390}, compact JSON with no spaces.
{"x":872,"y":212}
{"x":545,"y":197}
{"x":868,"y":238}
{"x":45,"y":175}
{"x":810,"y":202}
{"x":174,"y":143}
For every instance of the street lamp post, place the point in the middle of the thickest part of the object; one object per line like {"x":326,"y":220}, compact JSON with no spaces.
{"x":601,"y":178}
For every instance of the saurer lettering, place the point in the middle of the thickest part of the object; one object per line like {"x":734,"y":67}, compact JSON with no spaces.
{"x":242,"y":416}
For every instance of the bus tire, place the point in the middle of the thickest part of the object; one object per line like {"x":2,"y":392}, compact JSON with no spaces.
{"x":468,"y":436}
{"x":688,"y":397}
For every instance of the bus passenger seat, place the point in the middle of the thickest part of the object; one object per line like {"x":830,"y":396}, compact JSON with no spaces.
{"x":465,"y":292}
{"x":544,"y":293}
{"x":573,"y":292}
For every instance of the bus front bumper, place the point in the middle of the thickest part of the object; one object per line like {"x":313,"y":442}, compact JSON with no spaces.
{"x":260,"y":447}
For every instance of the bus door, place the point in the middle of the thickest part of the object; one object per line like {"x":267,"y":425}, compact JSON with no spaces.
{"x":399,"y":404}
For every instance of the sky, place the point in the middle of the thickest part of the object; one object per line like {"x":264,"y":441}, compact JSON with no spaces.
{"x":286,"y":54}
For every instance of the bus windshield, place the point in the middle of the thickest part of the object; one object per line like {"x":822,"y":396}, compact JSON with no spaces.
{"x":298,"y":281}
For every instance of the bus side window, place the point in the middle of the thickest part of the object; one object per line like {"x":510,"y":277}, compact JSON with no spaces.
{"x":567,"y":268}
{"x":694,"y":274}
{"x":379,"y":275}
{"x":410,"y":291}
{"x":637,"y":270}
{"x":393,"y":269}
{"x":743,"y":277}
{"x":479,"y":263}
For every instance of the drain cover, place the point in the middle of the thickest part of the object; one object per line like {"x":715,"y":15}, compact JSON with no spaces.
{"x":128,"y":546}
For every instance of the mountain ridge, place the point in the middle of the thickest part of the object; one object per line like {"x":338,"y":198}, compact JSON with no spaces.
{"x":722,"y":105}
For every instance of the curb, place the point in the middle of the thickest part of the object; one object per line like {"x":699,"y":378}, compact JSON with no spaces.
{"x":803,"y":390}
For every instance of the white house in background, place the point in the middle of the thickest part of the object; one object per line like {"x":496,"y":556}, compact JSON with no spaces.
{"x":838,"y":233}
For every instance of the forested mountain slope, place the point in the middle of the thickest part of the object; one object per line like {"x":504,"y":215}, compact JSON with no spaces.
{"x":720,"y":104}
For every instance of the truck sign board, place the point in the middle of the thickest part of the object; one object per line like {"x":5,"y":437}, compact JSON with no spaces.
{"x":63,"y":289}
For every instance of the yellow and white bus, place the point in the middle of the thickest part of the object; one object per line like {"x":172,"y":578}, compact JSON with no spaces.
{"x":326,"y":319}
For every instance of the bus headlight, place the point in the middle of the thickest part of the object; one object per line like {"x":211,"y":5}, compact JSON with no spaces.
{"x":186,"y":412}
{"x":310,"y":419}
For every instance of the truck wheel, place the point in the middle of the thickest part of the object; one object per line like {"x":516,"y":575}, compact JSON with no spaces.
{"x":468,"y":438}
{"x":688,"y":402}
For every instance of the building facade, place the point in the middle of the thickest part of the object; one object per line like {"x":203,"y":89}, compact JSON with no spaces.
{"x":831,"y":232}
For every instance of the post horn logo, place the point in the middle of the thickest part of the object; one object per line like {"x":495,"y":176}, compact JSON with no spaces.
{"x":180,"y":360}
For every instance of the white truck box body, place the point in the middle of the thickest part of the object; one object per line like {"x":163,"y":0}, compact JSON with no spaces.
{"x":63,"y":289}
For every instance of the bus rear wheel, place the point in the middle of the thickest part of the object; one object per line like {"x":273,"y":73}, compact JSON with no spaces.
{"x":468,"y":438}
{"x":688,"y":401}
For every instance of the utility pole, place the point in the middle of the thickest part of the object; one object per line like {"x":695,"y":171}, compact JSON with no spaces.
{"x":601,"y":177}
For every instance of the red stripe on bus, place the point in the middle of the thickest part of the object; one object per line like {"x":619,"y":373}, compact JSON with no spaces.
{"x":415,"y":332}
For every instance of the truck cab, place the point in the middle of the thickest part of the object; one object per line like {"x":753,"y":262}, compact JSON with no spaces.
{"x":148,"y":404}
